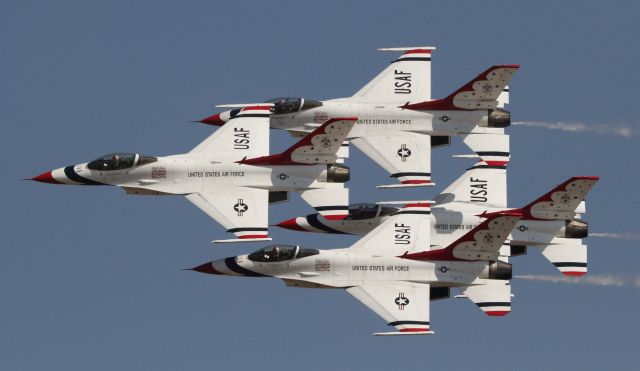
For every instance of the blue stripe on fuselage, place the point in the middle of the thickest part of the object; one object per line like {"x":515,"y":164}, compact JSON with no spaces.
{"x":231,"y":264}
{"x":71,"y":174}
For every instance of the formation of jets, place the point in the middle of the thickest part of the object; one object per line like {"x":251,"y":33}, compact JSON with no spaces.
{"x":411,"y":252}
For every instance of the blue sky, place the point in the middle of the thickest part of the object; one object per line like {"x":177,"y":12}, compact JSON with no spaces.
{"x":90,"y":278}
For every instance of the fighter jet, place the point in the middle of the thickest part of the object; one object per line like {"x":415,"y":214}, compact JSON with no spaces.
{"x":551,"y":223}
{"x":230,"y":175}
{"x":395,"y":270}
{"x":398,"y":121}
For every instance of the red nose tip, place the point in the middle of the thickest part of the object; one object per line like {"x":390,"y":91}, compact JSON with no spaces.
{"x":46,"y":177}
{"x":213,"y":120}
{"x":291,"y":224}
{"x":206,"y":268}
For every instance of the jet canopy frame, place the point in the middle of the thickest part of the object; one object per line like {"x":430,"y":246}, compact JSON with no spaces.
{"x":120,"y":161}
{"x":279,"y":253}
{"x":283,"y":105}
{"x":362,"y":211}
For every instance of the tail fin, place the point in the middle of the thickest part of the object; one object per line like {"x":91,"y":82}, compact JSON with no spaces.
{"x":561,"y":202}
{"x":319,"y":147}
{"x":246,"y":134}
{"x":481,"y":243}
{"x":479,"y":93}
{"x":484,"y":184}
{"x":491,"y":148}
{"x":493,"y":298}
{"x":407,"y":79}
{"x":408,"y":230}
{"x":569,"y":256}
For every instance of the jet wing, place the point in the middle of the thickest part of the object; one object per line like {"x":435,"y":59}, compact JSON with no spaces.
{"x":404,"y":305}
{"x":243,"y":211}
{"x":406,"y":156}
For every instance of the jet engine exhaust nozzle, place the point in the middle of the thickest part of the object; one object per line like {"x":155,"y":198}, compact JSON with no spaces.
{"x":576,"y":228}
{"x":338,"y":173}
{"x":499,"y":118}
{"x":498,"y":270}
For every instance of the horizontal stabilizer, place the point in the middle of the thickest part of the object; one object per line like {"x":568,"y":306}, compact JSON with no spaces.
{"x":570,"y":256}
{"x":343,"y":152}
{"x":493,"y":297}
{"x":492,"y":149}
{"x":503,"y":98}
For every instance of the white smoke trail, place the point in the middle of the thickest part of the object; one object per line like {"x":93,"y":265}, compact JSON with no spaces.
{"x":579,"y":127}
{"x":617,"y":236}
{"x":602,"y":280}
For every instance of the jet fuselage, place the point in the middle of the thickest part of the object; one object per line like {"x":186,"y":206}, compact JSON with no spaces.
{"x":341,"y":268}
{"x":183,"y":174}
{"x":381,"y":118}
{"x":447,"y":223}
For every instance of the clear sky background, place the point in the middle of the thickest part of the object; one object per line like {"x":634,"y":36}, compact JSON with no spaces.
{"x":90,"y":277}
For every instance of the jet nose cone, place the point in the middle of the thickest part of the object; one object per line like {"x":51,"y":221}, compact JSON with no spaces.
{"x":206,"y":268}
{"x":46,"y":177}
{"x":213,"y":120}
{"x":291,"y":224}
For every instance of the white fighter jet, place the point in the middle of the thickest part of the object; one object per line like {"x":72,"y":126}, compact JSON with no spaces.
{"x":230,"y":175}
{"x":551,"y":223}
{"x":398,"y":121}
{"x":395,"y":270}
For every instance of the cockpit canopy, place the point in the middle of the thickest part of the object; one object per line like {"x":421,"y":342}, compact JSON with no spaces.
{"x":119,"y":161}
{"x":368,"y":211}
{"x":284,"y":105}
{"x":278,"y":253}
